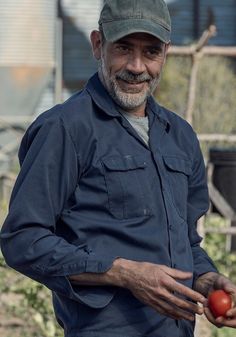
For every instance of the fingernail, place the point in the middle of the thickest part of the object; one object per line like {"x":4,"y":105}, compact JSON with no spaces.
{"x":219,"y":319}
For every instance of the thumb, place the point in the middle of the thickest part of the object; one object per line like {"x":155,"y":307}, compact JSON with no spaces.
{"x":229,"y":288}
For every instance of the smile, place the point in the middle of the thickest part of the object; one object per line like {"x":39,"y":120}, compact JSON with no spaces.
{"x":131,"y":83}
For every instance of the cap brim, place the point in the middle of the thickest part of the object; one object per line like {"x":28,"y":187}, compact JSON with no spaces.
{"x":115,"y":30}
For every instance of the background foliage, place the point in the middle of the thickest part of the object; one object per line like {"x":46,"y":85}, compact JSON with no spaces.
{"x":214,"y":110}
{"x":25,"y":306}
{"x":215,"y":245}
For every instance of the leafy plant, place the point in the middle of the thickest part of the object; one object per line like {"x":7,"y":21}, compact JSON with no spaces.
{"x":215,"y":245}
{"x":23,"y":298}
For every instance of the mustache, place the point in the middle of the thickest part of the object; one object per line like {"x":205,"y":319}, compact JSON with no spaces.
{"x":131,"y":77}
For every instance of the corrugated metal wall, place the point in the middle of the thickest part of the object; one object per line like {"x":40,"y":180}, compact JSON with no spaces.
{"x":223,"y":13}
{"x":80,"y":18}
{"x":220,"y":12}
{"x":27,"y":53}
{"x":182,"y":21}
{"x":27,"y":32}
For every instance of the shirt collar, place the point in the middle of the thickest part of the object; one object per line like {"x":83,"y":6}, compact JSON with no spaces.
{"x":105,"y":102}
{"x":101,"y":96}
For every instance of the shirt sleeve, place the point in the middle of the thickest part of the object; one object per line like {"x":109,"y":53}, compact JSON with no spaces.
{"x":198,"y":203}
{"x":48,"y":177}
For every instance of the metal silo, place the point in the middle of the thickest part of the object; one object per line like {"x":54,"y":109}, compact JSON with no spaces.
{"x":27,"y":57}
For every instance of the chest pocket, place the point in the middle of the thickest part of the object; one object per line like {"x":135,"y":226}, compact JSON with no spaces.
{"x":127,"y":185}
{"x":178,"y":172}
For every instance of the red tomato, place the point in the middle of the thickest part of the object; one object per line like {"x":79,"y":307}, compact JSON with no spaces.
{"x":219,"y":303}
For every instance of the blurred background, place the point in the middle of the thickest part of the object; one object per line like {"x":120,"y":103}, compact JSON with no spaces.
{"x":45,"y":56}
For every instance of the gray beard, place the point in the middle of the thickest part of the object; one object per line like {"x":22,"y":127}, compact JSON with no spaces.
{"x":127,"y":101}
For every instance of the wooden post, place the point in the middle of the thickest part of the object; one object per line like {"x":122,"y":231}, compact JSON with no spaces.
{"x":196,"y":56}
{"x":192,"y":87}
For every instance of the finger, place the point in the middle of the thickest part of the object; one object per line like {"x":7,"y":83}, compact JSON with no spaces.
{"x":159,"y":306}
{"x":183,"y":304}
{"x":230,"y":290}
{"x":177,"y":274}
{"x":226,"y":284}
{"x":161,"y":310}
{"x":183,"y":290}
{"x":211,"y":318}
{"x":173,"y":311}
{"x":227,"y":322}
{"x":231,"y":313}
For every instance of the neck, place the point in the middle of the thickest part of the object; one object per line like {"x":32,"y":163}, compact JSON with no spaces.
{"x":138,"y":112}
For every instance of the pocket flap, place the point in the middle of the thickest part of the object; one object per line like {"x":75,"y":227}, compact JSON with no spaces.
{"x":95,"y":297}
{"x":178,"y":164}
{"x":125,"y":163}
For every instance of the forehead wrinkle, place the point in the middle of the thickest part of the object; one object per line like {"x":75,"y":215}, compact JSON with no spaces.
{"x":148,"y":41}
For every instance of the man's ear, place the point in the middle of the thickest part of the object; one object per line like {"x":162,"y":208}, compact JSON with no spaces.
{"x":96,"y":42}
{"x":167,"y":46}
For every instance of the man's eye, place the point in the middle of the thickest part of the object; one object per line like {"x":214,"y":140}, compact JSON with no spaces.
{"x":122,"y":49}
{"x":153,"y":52}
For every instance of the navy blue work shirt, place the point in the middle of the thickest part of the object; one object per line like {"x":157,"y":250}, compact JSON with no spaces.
{"x":91,"y":190}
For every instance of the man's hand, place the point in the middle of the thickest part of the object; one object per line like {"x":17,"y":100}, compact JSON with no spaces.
{"x":154,"y":285}
{"x":157,"y":286}
{"x":205,"y":284}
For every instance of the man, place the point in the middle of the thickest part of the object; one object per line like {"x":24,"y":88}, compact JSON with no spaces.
{"x":111,"y":186}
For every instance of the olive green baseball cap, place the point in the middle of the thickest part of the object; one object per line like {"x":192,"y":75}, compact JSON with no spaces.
{"x":123,"y":17}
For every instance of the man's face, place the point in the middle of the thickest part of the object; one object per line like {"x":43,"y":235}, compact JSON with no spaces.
{"x":131,"y":68}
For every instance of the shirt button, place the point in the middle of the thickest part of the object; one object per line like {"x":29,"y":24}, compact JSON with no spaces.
{"x":170,"y":227}
{"x":100,"y":267}
{"x":146,"y":211}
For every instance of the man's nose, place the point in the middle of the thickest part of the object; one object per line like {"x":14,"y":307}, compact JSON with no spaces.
{"x":135,"y":63}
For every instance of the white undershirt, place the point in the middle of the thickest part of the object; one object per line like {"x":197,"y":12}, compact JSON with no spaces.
{"x":140,"y":124}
